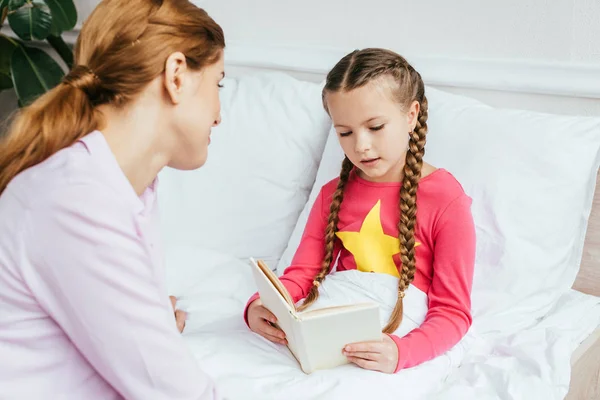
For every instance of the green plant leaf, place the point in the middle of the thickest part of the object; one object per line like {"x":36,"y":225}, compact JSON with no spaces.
{"x":15,"y":4}
{"x":32,"y":22}
{"x":64,"y":51}
{"x":5,"y":81}
{"x":64,"y":15}
{"x":3,"y":10}
{"x":33,"y":72}
{"x":6,"y":49}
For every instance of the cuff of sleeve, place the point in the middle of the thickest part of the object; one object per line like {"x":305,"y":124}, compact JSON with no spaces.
{"x":254,"y":297}
{"x":403,"y":354}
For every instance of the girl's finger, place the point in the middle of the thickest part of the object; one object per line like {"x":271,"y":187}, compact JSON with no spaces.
{"x":274,"y":339}
{"x":268,"y":329}
{"x":365,"y":355}
{"x":266,"y":314}
{"x":366,"y":364}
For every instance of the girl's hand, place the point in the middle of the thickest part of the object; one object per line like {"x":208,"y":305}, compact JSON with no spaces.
{"x":179,"y":314}
{"x":261,"y":321}
{"x":377,"y":356}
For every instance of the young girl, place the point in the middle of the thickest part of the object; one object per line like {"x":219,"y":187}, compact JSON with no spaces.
{"x":367,"y":219}
{"x":84,"y":312}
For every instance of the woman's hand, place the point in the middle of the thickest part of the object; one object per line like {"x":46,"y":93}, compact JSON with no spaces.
{"x":377,"y":356}
{"x":262,"y":321}
{"x":179,"y":314}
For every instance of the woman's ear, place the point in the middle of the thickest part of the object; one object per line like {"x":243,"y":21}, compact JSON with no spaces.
{"x":175,"y":68}
{"x":413,"y":115}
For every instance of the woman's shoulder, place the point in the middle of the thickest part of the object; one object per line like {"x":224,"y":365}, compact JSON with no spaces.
{"x":49,"y":178}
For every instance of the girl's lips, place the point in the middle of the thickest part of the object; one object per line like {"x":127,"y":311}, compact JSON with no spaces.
{"x":369,"y":162}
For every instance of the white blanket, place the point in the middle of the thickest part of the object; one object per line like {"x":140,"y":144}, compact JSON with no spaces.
{"x":486,"y":364}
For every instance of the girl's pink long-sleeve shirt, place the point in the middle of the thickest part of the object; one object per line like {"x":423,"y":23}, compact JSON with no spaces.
{"x":367,"y":240}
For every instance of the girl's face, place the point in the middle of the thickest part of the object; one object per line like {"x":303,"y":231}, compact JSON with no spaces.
{"x":373,"y":129}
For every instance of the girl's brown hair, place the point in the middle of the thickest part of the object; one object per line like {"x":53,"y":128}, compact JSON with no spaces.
{"x":122,"y":47}
{"x":353,"y":71}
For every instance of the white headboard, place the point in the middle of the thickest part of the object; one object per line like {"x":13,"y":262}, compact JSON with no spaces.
{"x":558,"y":88}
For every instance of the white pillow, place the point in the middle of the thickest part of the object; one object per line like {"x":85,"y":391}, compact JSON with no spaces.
{"x":330,"y":167}
{"x":261,"y":167}
{"x":531,"y":177}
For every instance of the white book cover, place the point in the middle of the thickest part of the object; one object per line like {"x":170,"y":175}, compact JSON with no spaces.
{"x":316,"y":337}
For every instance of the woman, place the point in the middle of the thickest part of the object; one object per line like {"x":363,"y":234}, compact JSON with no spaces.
{"x":84,"y":312}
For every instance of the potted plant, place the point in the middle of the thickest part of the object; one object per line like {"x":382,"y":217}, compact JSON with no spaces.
{"x":23,"y":66}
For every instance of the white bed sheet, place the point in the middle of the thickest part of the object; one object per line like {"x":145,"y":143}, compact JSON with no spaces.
{"x":532,"y":364}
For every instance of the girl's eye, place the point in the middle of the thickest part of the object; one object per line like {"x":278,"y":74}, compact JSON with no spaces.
{"x":376,"y":128}
{"x":220,"y":86}
{"x":343,"y":134}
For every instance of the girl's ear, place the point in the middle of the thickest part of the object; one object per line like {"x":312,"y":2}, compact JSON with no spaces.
{"x":413,"y":115}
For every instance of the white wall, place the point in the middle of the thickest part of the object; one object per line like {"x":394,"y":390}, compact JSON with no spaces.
{"x":558,"y":30}
{"x":565,"y":31}
{"x":554,"y":30}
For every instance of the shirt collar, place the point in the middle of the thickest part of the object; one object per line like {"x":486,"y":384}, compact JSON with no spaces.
{"x":98,"y":148}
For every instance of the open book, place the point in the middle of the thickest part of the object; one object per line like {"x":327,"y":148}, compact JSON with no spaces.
{"x":316,"y":337}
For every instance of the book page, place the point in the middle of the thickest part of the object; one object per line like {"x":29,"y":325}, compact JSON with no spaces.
{"x":272,"y":300}
{"x":276,"y":282}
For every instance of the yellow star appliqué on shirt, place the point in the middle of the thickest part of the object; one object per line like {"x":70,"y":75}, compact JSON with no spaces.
{"x":371,"y":247}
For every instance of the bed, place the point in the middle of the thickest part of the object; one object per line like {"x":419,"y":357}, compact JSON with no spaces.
{"x":585,"y":362}
{"x":274,"y":150}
